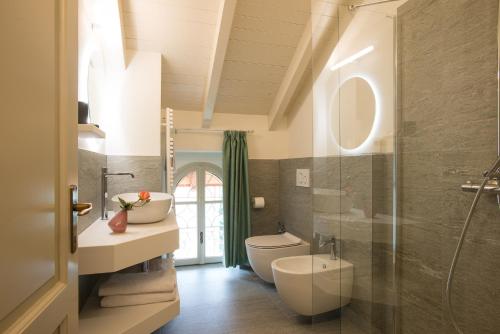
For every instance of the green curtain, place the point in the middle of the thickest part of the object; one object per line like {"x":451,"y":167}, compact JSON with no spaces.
{"x":236,"y":198}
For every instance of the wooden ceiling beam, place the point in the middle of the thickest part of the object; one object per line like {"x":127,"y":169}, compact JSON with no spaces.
{"x":224,"y":24}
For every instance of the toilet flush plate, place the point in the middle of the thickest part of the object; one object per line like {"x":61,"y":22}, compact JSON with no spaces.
{"x":303,"y":178}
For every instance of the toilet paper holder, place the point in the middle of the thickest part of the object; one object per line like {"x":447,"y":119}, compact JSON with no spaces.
{"x":258,"y":202}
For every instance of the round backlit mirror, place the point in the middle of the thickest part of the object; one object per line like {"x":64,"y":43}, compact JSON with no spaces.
{"x":352,"y":113}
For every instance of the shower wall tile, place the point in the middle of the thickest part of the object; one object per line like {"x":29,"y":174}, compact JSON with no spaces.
{"x":448,"y":135}
{"x":147,"y":171}
{"x":264,"y":176}
{"x":295,"y":203}
{"x":89,"y":185}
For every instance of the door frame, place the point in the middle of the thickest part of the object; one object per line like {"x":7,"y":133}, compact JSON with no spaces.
{"x":200,"y":168}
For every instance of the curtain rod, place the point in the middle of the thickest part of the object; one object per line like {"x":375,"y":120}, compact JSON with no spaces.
{"x":354,"y":7}
{"x":188,"y":130}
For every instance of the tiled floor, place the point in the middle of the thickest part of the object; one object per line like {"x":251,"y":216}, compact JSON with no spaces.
{"x":216,"y":300}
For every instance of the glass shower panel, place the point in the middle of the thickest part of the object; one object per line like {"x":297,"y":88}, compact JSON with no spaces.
{"x":326,"y":192}
{"x":354,"y":112}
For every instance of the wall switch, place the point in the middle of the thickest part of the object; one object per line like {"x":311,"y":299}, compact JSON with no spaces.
{"x":303,"y":178}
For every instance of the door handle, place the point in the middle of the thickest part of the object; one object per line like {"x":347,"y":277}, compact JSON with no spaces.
{"x":82,"y":209}
{"x":201,"y":237}
{"x":76,"y":210}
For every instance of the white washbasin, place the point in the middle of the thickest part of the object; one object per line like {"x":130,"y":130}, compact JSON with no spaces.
{"x":156,"y":210}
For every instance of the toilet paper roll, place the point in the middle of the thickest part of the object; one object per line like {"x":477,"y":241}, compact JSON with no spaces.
{"x":259,"y":202}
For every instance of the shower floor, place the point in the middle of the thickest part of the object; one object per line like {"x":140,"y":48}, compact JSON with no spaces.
{"x":216,"y":300}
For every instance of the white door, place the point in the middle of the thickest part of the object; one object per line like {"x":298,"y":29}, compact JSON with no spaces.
{"x":38,"y":89}
{"x":200,"y":216}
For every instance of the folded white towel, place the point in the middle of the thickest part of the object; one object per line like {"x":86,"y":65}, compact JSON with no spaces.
{"x":130,"y":300}
{"x":138,"y":283}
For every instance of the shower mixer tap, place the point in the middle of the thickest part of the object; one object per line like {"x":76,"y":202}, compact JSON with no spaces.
{"x":492,"y":182}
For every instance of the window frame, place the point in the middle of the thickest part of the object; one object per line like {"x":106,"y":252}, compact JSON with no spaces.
{"x":200,"y":168}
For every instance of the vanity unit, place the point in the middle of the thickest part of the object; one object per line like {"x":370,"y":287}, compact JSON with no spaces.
{"x":101,"y":251}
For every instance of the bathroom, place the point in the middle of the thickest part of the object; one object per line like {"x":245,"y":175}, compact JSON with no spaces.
{"x":289,"y":166}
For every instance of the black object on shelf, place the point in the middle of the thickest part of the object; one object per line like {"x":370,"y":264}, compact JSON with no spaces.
{"x":83,"y":113}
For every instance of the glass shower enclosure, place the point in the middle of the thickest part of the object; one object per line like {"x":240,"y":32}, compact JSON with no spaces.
{"x":405,"y":104}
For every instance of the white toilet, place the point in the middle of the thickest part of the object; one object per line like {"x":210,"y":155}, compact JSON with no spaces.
{"x":262,"y":250}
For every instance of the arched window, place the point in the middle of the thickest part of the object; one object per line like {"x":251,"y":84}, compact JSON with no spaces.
{"x":199,"y":210}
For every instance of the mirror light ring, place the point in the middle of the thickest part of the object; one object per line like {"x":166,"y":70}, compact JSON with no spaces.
{"x":370,"y":139}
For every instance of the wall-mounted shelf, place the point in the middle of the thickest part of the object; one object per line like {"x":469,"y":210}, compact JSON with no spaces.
{"x":101,"y":251}
{"x":90,"y":131}
{"x":127,"y":319}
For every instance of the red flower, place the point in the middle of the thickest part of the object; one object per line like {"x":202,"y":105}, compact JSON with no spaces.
{"x":144,"y":195}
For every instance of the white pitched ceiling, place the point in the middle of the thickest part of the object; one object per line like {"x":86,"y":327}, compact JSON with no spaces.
{"x":263,"y":40}
{"x":184,"y":32}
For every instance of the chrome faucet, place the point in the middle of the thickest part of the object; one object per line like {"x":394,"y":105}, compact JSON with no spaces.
{"x":104,"y":189}
{"x":332,"y":241}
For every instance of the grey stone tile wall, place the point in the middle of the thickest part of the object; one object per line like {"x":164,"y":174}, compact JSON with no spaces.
{"x":264,"y":179}
{"x":89,"y":184}
{"x":147,"y":171}
{"x":447,"y":113}
{"x":285,"y":202}
{"x":295,"y":202}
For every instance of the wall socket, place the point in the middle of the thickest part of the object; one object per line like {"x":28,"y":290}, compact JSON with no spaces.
{"x":303,"y":178}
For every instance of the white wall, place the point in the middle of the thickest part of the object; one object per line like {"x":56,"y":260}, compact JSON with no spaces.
{"x":125,"y":101}
{"x":132,"y":115}
{"x":377,"y":67}
{"x":262,"y":144}
{"x":300,"y":123}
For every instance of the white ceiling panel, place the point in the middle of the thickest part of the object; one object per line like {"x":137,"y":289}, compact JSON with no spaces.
{"x":183,"y":31}
{"x":243,"y":105}
{"x":265,"y":90}
{"x":263,"y":40}
{"x":237,"y":70}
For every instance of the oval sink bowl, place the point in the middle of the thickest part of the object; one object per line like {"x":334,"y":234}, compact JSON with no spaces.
{"x":156,"y":210}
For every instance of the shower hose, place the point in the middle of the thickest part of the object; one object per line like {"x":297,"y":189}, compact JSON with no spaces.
{"x":458,"y":250}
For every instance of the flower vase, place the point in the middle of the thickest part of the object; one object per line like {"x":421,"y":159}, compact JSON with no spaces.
{"x":118,"y":224}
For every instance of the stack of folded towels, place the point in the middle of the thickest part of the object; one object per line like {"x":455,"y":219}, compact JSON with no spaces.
{"x":127,"y":289}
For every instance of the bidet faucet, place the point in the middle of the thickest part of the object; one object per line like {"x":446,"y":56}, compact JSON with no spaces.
{"x":332,"y":241}
{"x":104,"y":189}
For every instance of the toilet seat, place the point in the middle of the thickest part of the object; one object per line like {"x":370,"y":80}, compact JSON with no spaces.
{"x":264,"y":249}
{"x":273,"y":241}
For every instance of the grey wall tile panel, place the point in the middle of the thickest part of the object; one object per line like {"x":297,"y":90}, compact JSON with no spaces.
{"x":147,"y":171}
{"x":448,"y":134}
{"x":264,"y":182}
{"x":295,"y":202}
{"x":89,"y":184}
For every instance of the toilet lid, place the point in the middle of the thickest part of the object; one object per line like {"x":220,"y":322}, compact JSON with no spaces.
{"x":274,"y":241}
